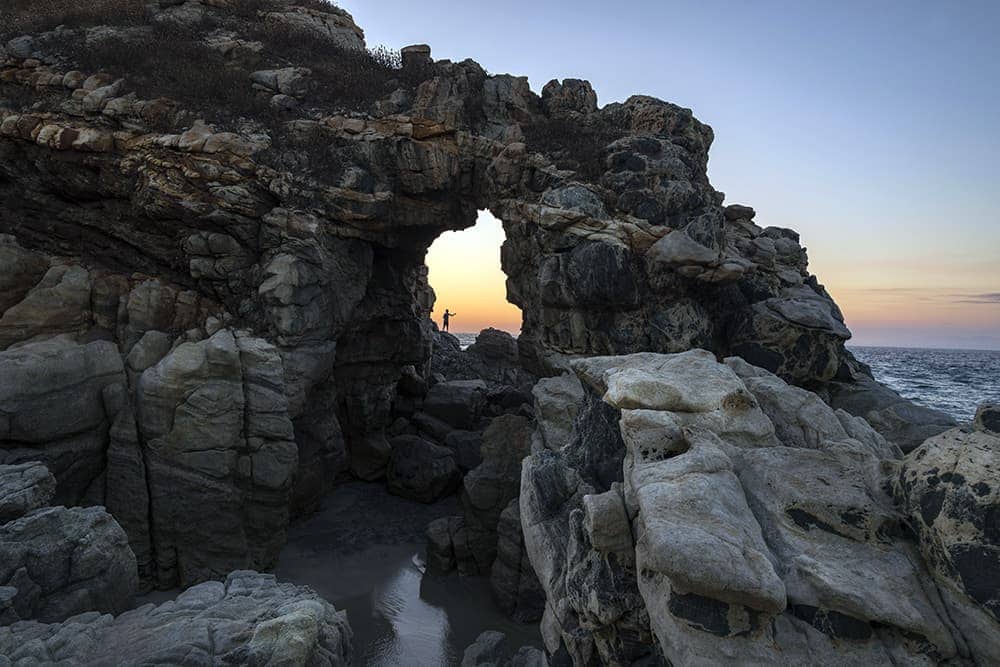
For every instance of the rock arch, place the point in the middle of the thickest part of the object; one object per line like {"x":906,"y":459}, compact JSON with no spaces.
{"x":261,"y":288}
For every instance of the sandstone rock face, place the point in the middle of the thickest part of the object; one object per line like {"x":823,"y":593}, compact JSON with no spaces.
{"x":712,"y":513}
{"x":23,"y":488}
{"x":61,"y":562}
{"x":421,"y":470}
{"x":249,"y":619}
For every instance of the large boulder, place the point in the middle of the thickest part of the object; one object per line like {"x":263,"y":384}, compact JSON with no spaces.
{"x":491,"y":649}
{"x":514,"y":583}
{"x":61,"y":398}
{"x":494,"y":357}
{"x":62,"y":562}
{"x":420,"y":470}
{"x":215,"y":433}
{"x":496,"y":347}
{"x":59,"y":303}
{"x":949,"y":489}
{"x":23,"y":488}
{"x":458,"y":403}
{"x":248,"y":619}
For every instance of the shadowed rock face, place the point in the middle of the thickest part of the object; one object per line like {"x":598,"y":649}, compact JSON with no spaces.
{"x":261,"y":275}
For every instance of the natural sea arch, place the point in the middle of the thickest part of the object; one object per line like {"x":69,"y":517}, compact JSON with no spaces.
{"x":464,"y":270}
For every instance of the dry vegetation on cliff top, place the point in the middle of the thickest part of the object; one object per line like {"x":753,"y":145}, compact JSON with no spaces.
{"x":33,"y":16}
{"x":162,"y":59}
{"x":572,"y":144}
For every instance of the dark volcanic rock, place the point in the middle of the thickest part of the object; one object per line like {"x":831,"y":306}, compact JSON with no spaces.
{"x":420,"y":470}
{"x":899,"y":420}
{"x":490,"y":487}
{"x":493,"y":358}
{"x":949,"y":488}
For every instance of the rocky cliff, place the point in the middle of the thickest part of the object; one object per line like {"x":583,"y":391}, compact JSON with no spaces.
{"x":214,"y":220}
{"x":701,"y":512}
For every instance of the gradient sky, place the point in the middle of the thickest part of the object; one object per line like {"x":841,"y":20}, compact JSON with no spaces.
{"x":872,"y":128}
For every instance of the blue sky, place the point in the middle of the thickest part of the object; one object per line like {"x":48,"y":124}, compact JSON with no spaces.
{"x":871,"y":128}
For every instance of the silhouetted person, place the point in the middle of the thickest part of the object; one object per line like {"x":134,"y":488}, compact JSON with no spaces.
{"x":446,"y":318}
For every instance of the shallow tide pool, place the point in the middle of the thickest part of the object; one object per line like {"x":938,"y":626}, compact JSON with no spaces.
{"x":363,"y":551}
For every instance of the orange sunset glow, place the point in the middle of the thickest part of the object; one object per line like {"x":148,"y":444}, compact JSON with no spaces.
{"x":945,"y":304}
{"x":464,"y":270}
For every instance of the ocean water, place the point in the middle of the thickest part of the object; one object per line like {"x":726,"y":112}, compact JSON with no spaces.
{"x":953,"y":381}
{"x":466,"y":339}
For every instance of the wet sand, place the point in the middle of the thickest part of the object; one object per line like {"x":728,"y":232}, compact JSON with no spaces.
{"x":363,"y":551}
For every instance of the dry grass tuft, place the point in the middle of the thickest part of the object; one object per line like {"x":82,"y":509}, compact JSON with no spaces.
{"x":20,"y":17}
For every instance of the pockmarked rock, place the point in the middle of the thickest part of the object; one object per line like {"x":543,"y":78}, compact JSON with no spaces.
{"x":710,"y":512}
{"x":949,"y":489}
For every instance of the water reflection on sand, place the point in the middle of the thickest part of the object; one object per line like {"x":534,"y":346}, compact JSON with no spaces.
{"x":363,"y":552}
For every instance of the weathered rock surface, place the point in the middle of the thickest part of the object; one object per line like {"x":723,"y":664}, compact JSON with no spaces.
{"x":249,"y":619}
{"x":949,"y":489}
{"x":488,"y":489}
{"x":491,"y":650}
{"x":58,"y":401}
{"x":457,"y":403}
{"x":219,"y":299}
{"x":514,"y":583}
{"x":903,"y":423}
{"x":556,"y":403}
{"x":60,"y":562}
{"x":988,"y":418}
{"x":711,"y":513}
{"x":470,"y":542}
{"x":23,"y":488}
